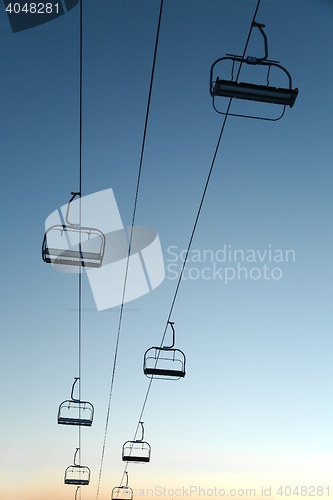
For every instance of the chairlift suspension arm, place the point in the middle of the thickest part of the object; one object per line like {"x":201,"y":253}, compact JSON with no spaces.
{"x":142,"y":432}
{"x":74,"y":194}
{"x":76,"y":452}
{"x":72,"y":392}
{"x":171,"y":323}
{"x":260,"y":27}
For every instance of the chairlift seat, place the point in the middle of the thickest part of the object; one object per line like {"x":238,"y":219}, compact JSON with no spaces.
{"x":163,"y":372}
{"x":133,"y":458}
{"x":74,"y":473}
{"x":75,"y":421}
{"x":136,"y":451}
{"x":164,"y":363}
{"x":255,"y":92}
{"x":54,"y":253}
{"x":284,"y":96}
{"x":77,"y":482}
{"x":70,"y":413}
{"x":63,"y":235}
{"x":122,"y":493}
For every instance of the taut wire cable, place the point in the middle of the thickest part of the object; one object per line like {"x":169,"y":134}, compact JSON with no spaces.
{"x":194,"y":227}
{"x":80,"y":241}
{"x":130,"y":240}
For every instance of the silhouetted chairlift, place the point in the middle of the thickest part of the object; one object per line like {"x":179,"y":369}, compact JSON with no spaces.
{"x":78,"y":475}
{"x":122,"y":492}
{"x":165,"y":362}
{"x":75,"y":412}
{"x":137,"y":451}
{"x":73,"y":245}
{"x":250,"y":91}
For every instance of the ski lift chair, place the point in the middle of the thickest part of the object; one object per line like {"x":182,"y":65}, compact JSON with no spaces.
{"x":73,"y":245}
{"x":75,"y":412}
{"x":284,"y":96}
{"x":137,"y":451}
{"x":165,"y":362}
{"x":78,"y":475}
{"x":122,"y":492}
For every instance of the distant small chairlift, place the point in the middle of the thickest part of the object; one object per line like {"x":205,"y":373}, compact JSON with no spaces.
{"x":165,"y":362}
{"x":122,"y":492}
{"x":75,"y":412}
{"x":72,"y":244}
{"x":78,"y":475}
{"x":250,"y":91}
{"x":137,"y":451}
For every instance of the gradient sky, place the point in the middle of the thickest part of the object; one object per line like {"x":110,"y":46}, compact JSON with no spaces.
{"x":255,"y":408}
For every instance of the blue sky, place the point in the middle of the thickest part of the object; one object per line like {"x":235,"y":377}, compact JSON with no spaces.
{"x":254,"y":408}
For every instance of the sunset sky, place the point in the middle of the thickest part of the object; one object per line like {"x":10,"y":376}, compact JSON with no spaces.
{"x":255,"y":407}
